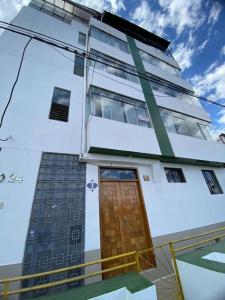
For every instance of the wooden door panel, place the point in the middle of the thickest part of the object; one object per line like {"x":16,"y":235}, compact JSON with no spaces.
{"x":124,"y":226}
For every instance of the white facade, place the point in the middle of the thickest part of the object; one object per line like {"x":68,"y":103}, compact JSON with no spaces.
{"x":171,"y":207}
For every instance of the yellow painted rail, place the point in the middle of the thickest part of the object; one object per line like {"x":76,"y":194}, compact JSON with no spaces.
{"x":134,"y":263}
{"x":7,"y":281}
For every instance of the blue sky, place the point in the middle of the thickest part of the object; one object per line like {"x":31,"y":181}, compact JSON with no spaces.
{"x":196,"y":29}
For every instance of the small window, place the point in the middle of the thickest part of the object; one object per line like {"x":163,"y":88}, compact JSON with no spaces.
{"x":60,"y":105}
{"x":118,"y":174}
{"x":174,"y":175}
{"x":82,"y":38}
{"x":212,"y":182}
{"x":79,"y":66}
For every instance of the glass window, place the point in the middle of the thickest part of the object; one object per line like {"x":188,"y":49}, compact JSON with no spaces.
{"x":82,"y":38}
{"x":109,"y":39}
{"x":159,"y":63}
{"x":143,"y":117}
{"x":181,"y":126}
{"x":112,"y":109}
{"x":168,"y":122}
{"x":119,"y":108}
{"x":130,"y":114}
{"x":79,"y":66}
{"x":60,"y":105}
{"x":174,"y":175}
{"x":117,"y":174}
{"x":205,"y":132}
{"x":212,"y":182}
{"x":117,"y":68}
{"x":195,"y":130}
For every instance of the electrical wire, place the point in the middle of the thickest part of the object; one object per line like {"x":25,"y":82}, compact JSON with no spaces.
{"x":118,"y":81}
{"x":15,"y":82}
{"x":86,"y":54}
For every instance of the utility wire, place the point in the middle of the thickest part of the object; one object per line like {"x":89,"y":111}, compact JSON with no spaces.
{"x":15,"y":82}
{"x":88,"y":55}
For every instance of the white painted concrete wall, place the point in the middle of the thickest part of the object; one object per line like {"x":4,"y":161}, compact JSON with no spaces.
{"x":110,"y":134}
{"x":190,"y":147}
{"x":43,"y":69}
{"x":170,"y":207}
{"x":17,"y":199}
{"x":27,"y":119}
{"x":200,"y":283}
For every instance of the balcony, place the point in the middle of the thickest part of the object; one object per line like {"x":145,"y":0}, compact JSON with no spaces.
{"x":121,"y":137}
{"x":197,"y":149}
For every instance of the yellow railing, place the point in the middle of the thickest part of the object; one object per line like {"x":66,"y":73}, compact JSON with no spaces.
{"x":6,"y":282}
{"x":174,"y":250}
{"x":134,"y":263}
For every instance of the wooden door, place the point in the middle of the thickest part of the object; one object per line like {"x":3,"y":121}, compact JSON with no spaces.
{"x":124,"y":226}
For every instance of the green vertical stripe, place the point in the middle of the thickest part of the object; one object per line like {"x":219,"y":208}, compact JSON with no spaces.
{"x":160,"y":130}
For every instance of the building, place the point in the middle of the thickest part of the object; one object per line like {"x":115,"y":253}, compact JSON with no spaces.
{"x":103,"y":151}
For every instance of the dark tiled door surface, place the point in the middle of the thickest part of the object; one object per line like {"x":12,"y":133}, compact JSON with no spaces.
{"x":55,"y":236}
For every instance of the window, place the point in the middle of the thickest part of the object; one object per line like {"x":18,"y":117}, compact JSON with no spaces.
{"x":122,"y":174}
{"x":159,"y":63}
{"x":82,"y":38}
{"x":101,"y":64}
{"x":170,"y":91}
{"x":116,"y":107}
{"x":212,"y":182}
{"x":174,"y":175}
{"x":60,"y":105}
{"x":109,"y":39}
{"x":179,"y":123}
{"x":79,"y":66}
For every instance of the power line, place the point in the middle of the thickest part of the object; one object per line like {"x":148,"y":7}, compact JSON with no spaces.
{"x":15,"y":82}
{"x":86,"y":54}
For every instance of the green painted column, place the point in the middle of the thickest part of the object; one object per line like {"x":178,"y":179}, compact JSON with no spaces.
{"x":160,"y":130}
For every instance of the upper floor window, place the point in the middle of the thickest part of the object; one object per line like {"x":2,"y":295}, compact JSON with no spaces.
{"x":159,"y":63}
{"x":182,"y":124}
{"x":78,"y":65}
{"x":162,"y":88}
{"x":116,"y":107}
{"x":174,"y":175}
{"x":116,"y":67}
{"x":60,"y":105}
{"x":82,"y":38}
{"x":109,"y":39}
{"x":212,"y":182}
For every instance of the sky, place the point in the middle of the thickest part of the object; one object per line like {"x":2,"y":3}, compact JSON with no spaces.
{"x":195,"y":28}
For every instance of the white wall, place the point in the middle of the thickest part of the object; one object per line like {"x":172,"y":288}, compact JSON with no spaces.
{"x":17,"y":198}
{"x":201,"y":283}
{"x":110,"y":134}
{"x":170,"y":207}
{"x":190,"y":147}
{"x":92,"y":218}
{"x":27,"y":118}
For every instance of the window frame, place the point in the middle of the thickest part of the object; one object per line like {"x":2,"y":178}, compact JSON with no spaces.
{"x":180,"y":174}
{"x":80,"y":39}
{"x":63,"y":106}
{"x":213,"y":178}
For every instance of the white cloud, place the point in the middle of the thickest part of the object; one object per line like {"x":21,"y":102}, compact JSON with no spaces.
{"x":223,"y":50}
{"x":183,"y":14}
{"x":145,"y":17}
{"x":221,"y":115}
{"x":114,"y":6}
{"x":9,"y":9}
{"x":214,"y":13}
{"x":211,"y":83}
{"x":183,"y":55}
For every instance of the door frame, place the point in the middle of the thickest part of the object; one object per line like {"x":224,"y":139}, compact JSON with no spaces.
{"x":141,"y":197}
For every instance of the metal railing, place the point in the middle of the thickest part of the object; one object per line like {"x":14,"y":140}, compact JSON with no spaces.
{"x":164,"y":262}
